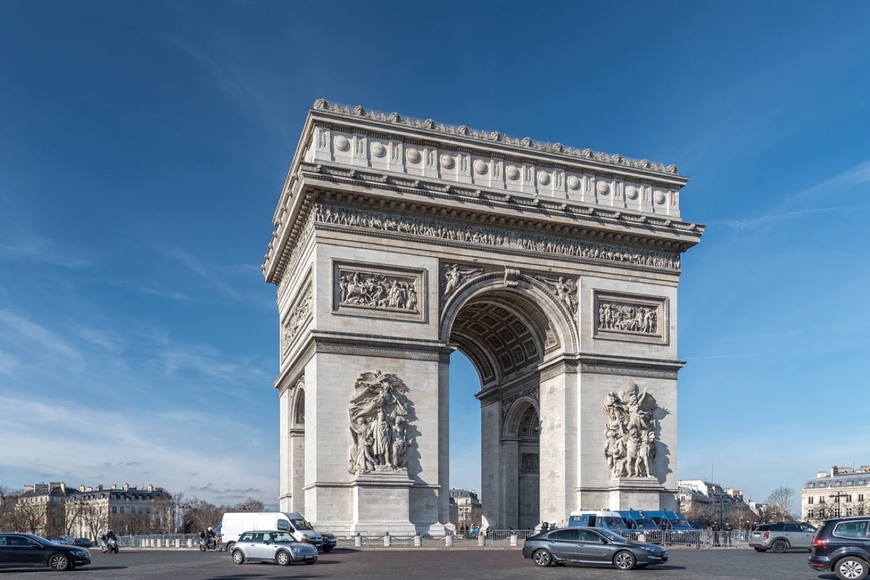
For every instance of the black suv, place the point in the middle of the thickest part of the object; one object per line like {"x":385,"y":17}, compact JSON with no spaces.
{"x":842,"y":546}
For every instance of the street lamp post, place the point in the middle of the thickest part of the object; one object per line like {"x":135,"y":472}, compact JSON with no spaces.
{"x":836,"y":497}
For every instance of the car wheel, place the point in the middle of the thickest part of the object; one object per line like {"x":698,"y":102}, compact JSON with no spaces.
{"x":202,"y":547}
{"x":238,"y":557}
{"x":59,"y":562}
{"x":542,"y":558}
{"x":283,"y":558}
{"x":851,"y":568}
{"x":760,"y":549}
{"x":779,"y":546}
{"x":624,"y":560}
{"x":229,"y":547}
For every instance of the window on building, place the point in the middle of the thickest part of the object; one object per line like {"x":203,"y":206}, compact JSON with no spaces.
{"x":860,"y":497}
{"x":821,"y":499}
{"x":810,"y":514}
{"x":848,"y":511}
{"x":810,"y":500}
{"x":838,"y":484}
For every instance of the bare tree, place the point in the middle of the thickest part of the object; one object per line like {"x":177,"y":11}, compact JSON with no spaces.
{"x":249,"y":505}
{"x":779,"y":502}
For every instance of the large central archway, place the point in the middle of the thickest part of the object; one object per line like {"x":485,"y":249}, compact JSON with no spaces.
{"x":553,"y":270}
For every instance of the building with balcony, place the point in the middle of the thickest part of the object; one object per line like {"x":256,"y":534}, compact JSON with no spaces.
{"x":54,"y":509}
{"x":842,"y":492}
{"x":468,"y":509}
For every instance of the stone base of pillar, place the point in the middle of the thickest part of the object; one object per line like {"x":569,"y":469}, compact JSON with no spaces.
{"x":639,"y":493}
{"x":381,"y":503}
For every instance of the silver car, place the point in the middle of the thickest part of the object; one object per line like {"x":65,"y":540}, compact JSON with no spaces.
{"x":272,"y":546}
{"x":781,"y":536}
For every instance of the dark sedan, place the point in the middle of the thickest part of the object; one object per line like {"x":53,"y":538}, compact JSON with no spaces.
{"x":591,"y":546}
{"x":18,"y":550}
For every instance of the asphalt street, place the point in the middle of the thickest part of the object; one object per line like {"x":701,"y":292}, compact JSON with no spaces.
{"x":426,"y":564}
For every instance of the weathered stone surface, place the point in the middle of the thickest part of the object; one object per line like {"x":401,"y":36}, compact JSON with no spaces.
{"x":554,"y":269}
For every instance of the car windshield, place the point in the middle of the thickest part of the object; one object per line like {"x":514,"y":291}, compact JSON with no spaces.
{"x":610,"y":535}
{"x":681,"y":523}
{"x":282,"y":537}
{"x":645,"y":523}
{"x":612,"y":522}
{"x":301,"y":524}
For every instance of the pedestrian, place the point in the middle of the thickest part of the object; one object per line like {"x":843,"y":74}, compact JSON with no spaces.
{"x":715,"y":527}
{"x":727,"y":541}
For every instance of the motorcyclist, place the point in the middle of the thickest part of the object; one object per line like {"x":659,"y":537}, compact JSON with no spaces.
{"x":208,"y":537}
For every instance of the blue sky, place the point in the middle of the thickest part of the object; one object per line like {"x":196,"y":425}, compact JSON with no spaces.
{"x":143,"y":146}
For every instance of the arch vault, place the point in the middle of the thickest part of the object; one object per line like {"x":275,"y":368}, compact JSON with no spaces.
{"x":553,"y":270}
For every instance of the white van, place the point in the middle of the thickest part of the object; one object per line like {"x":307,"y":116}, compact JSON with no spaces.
{"x":235,"y":524}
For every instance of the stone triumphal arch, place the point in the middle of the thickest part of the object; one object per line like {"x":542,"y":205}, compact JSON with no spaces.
{"x":554,"y":270}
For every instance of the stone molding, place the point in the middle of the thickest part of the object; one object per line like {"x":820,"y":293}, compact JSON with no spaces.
{"x":360,"y":345}
{"x":630,"y":367}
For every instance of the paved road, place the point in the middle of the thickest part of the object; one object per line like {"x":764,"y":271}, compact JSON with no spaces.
{"x":411,"y":564}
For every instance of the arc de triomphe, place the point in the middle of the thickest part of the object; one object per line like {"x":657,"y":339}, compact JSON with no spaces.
{"x":555,"y":270}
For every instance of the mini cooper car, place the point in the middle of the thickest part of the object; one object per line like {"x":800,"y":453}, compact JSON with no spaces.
{"x":585,"y":545}
{"x":272,"y":546}
{"x":781,"y":536}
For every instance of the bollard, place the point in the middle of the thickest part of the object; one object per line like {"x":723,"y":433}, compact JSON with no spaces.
{"x":448,"y":540}
{"x":387,"y":540}
{"x":177,"y":542}
{"x":418,"y":541}
{"x":481,"y":540}
{"x":513,"y":540}
{"x":641,"y":537}
{"x":189,"y":542}
{"x":357,"y":541}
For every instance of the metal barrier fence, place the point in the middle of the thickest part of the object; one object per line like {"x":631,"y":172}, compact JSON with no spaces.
{"x":491,"y":539}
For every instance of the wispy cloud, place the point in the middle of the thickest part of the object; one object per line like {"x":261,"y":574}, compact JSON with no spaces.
{"x":134,"y":447}
{"x":28,"y":335}
{"x":209,"y":274}
{"x":838,"y":184}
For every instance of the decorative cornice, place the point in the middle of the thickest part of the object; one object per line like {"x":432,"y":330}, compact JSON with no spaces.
{"x":630,"y":367}
{"x":494,"y":137}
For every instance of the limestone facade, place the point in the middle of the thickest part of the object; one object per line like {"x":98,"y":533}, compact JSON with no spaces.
{"x":555,"y":270}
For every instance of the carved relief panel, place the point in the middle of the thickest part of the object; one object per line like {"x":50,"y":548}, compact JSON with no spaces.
{"x":297,"y":318}
{"x":632,"y":318}
{"x":380,"y":291}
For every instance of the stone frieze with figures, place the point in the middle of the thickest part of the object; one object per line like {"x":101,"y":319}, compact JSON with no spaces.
{"x":379,"y":290}
{"x":495,"y":237}
{"x":637,"y":318}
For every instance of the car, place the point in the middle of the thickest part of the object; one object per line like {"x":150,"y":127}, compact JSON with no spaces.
{"x":842,"y":546}
{"x":781,"y":536}
{"x":63,"y":540}
{"x":83,"y":542}
{"x":18,"y":550}
{"x":586,"y":545}
{"x":329,"y":542}
{"x":272,"y":546}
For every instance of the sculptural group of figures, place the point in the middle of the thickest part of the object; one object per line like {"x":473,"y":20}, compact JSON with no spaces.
{"x":377,"y":291}
{"x":628,"y":317}
{"x":630,"y":434}
{"x":378,"y":424}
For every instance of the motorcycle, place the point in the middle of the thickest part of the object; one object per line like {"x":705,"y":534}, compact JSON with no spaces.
{"x":109,"y":545}
{"x":210,"y":543}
